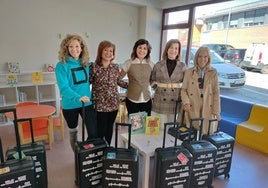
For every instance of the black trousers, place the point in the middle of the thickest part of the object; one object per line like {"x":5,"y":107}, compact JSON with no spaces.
{"x":139,"y":107}
{"x":106,"y":124}
{"x":71,"y":117}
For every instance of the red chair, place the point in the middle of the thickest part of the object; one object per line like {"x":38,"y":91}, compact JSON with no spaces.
{"x":41,"y":128}
{"x":58,"y":124}
{"x":26,"y":103}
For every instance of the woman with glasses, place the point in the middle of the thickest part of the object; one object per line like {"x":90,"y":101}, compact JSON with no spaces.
{"x":200,"y":91}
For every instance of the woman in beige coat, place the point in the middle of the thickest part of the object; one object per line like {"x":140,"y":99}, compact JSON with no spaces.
{"x":200,"y":90}
{"x":166,"y":79}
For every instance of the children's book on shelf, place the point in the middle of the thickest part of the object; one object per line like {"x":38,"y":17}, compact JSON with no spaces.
{"x":12,"y":79}
{"x":2,"y":100}
{"x":152,"y":125}
{"x":137,"y":121}
{"x":22,"y":96}
{"x":13,"y":67}
{"x":37,"y":77}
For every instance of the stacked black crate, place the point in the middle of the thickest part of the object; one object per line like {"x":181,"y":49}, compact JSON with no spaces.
{"x":204,"y":157}
{"x":120,"y":165}
{"x":224,"y":144}
{"x":172,"y":164}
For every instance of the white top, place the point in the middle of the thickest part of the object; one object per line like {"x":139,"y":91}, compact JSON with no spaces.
{"x":128,"y":62}
{"x":126,"y":67}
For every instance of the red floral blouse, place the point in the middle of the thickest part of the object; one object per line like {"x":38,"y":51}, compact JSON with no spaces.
{"x":105,"y":82}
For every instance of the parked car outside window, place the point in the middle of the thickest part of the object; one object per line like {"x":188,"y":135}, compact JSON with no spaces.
{"x":229,"y":76}
{"x":219,"y":48}
{"x":234,"y":56}
{"x":256,"y":58}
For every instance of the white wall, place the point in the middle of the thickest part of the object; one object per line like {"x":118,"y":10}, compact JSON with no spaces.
{"x":30,"y":29}
{"x":153,"y":31}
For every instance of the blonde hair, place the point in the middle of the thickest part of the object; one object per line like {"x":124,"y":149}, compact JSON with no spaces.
{"x":64,"y":52}
{"x":202,"y":48}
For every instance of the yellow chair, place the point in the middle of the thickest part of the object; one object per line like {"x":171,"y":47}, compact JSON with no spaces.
{"x":58,"y":124}
{"x":254,"y":132}
{"x":41,"y":128}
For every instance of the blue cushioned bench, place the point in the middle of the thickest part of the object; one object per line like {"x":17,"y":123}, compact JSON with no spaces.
{"x":233,"y":112}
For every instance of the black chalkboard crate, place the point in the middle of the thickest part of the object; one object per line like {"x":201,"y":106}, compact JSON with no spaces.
{"x":184,"y":132}
{"x":19,"y":172}
{"x":120,"y":165}
{"x":88,"y":159}
{"x":225,"y":146}
{"x":172,"y":164}
{"x":182,"y":127}
{"x":204,"y":157}
{"x":37,"y":151}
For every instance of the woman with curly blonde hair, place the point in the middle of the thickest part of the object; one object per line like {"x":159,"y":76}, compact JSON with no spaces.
{"x":64,"y":52}
{"x":72,"y":74}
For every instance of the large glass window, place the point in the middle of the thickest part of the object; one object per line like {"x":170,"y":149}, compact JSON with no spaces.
{"x":259,"y":16}
{"x":176,"y":24}
{"x":177,"y":17}
{"x":221,"y":23}
{"x":187,"y":23}
{"x":183,"y":24}
{"x":194,"y":24}
{"x":249,"y":18}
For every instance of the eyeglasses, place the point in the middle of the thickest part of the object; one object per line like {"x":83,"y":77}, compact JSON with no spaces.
{"x":201,"y":83}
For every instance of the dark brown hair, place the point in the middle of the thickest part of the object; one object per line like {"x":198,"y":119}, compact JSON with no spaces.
{"x":138,"y":43}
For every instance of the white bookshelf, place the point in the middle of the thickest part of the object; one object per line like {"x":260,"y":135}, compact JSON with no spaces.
{"x":42,"y":93}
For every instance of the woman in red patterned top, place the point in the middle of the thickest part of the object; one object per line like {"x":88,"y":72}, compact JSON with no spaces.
{"x":105,"y":79}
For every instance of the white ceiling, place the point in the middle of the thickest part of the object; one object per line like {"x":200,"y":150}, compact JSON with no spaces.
{"x":159,"y":3}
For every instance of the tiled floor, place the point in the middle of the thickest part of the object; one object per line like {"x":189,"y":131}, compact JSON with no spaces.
{"x":249,"y":168}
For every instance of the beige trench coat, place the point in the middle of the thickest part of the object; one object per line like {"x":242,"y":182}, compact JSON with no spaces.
{"x":164,"y":98}
{"x":190,"y":93}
